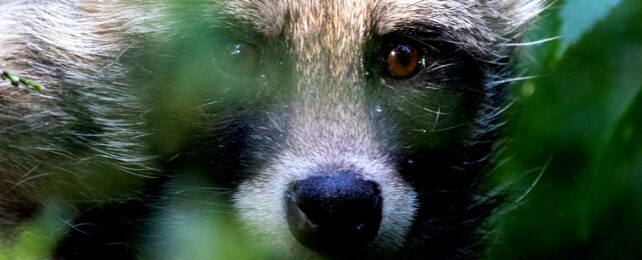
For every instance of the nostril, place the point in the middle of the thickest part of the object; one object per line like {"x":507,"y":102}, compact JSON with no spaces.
{"x":334,"y":214}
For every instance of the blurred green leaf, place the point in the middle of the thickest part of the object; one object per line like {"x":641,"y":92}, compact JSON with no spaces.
{"x":38,"y":238}
{"x":584,"y":113}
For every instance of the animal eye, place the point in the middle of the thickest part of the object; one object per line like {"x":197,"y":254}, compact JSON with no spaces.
{"x":402,"y":61}
{"x":241,"y":60}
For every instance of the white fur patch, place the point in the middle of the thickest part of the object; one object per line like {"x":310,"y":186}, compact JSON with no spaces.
{"x":262,"y":206}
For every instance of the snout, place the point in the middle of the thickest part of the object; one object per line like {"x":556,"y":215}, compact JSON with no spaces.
{"x":334,"y":213}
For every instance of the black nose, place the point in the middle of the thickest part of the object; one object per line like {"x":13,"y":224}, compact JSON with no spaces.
{"x":334,"y":214}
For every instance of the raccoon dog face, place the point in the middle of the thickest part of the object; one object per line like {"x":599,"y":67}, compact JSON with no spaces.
{"x":388,"y":118}
{"x":367,"y":126}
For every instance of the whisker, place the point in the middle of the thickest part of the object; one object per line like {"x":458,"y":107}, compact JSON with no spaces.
{"x":531,"y":43}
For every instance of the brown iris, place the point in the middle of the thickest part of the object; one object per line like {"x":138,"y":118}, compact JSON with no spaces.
{"x":403,"y":61}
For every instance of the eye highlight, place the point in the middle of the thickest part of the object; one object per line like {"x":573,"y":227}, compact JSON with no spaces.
{"x":403,"y":61}
{"x":242,"y":60}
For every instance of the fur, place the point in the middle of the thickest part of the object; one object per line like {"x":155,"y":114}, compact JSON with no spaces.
{"x":426,"y":141}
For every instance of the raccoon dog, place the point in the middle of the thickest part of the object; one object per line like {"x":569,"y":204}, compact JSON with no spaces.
{"x":341,"y":128}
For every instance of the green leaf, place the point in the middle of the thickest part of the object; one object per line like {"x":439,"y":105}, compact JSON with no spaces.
{"x":584,"y":113}
{"x":620,"y":156}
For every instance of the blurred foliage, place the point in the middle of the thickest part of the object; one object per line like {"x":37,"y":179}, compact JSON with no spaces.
{"x":583,"y":114}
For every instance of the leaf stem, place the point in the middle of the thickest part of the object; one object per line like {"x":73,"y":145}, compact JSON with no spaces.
{"x":17,"y":81}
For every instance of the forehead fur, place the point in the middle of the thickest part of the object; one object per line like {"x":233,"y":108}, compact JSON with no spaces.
{"x":477,"y":25}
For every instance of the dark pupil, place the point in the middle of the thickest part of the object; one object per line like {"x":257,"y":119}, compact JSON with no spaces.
{"x":403,"y":54}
